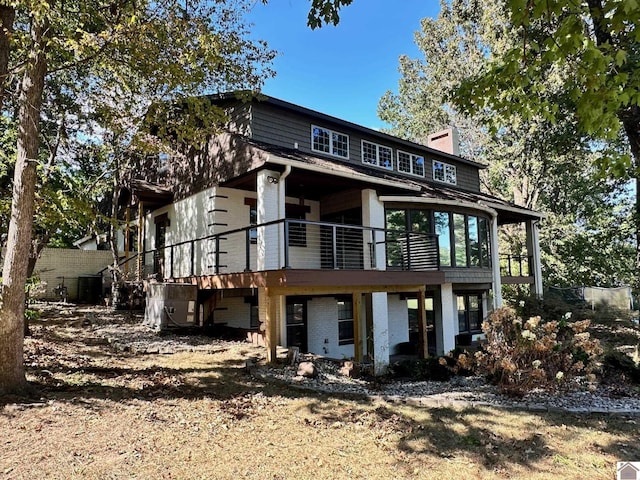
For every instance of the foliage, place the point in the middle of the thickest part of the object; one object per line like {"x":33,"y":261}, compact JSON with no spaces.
{"x":438,"y":369}
{"x":520,"y":356}
{"x":587,"y":235}
{"x":323,"y":12}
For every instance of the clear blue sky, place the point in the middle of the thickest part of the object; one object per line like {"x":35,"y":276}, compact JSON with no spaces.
{"x":341,"y":71}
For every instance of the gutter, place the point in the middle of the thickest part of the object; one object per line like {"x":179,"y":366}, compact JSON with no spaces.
{"x":440,"y":201}
{"x":352,"y":175}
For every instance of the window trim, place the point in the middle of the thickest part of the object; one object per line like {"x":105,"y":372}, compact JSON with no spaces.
{"x":378,"y":147}
{"x":465,"y":296}
{"x":331,"y":146}
{"x":411,"y":160}
{"x":445,"y":167}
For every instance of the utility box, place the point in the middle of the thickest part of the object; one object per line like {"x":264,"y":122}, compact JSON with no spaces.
{"x":171,"y":306}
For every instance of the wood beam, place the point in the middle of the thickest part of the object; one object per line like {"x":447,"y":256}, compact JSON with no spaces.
{"x":422,"y":322}
{"x":357,"y":322}
{"x":271,"y":326}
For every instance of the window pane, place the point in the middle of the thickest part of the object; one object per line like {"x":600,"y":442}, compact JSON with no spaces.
{"x":345,"y":309}
{"x":444,"y":240}
{"x":418,"y":165}
{"x":460,"y":238}
{"x":320,"y":138}
{"x":462,"y":315}
{"x":340,"y":145}
{"x":438,"y":171}
{"x":474,"y":242}
{"x":450,"y":174}
{"x":386,"y":157}
{"x":475,"y":318}
{"x":369,"y":153}
{"x":404,"y":162}
{"x":485,"y":256}
{"x":396,"y":220}
{"x":420,"y":221}
{"x":345,"y":332}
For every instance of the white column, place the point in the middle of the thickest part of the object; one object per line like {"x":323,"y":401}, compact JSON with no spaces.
{"x":268,"y":206}
{"x":380,"y":321}
{"x":495,"y":264}
{"x":448,"y":317}
{"x":373,"y":216}
{"x":533,"y":252}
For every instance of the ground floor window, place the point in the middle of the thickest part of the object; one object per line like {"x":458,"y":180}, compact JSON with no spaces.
{"x":469,"y":312}
{"x":345,"y":322}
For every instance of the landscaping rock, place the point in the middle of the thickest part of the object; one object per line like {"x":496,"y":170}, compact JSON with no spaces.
{"x":307,"y":369}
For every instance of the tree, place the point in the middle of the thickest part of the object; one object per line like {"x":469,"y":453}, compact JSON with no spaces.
{"x":532,"y":161}
{"x":116,"y":56}
{"x":597,"y":44}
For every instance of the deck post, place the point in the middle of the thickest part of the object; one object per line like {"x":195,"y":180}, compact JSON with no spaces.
{"x":357,"y":322}
{"x":422,"y":322}
{"x":271,"y":327}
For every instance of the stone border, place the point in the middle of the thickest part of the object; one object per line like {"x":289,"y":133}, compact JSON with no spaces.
{"x":433,"y":402}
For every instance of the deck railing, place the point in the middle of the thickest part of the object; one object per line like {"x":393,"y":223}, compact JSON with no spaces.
{"x":307,"y":245}
{"x":516,"y":265}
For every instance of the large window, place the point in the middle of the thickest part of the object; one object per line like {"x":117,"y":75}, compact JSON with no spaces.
{"x":327,"y":141}
{"x":345,"y":322}
{"x":470,"y":237}
{"x":443,"y":172}
{"x":469,"y":312}
{"x":410,"y":163}
{"x":378,"y":155}
{"x":441,"y":220}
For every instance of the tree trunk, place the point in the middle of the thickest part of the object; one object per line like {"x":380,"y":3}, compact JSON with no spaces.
{"x":7,"y":16}
{"x":12,"y":297}
{"x":631,"y":123}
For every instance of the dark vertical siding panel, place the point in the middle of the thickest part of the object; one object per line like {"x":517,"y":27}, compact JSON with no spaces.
{"x":285,"y":128}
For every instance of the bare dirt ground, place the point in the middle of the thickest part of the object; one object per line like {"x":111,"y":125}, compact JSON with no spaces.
{"x":109,"y":407}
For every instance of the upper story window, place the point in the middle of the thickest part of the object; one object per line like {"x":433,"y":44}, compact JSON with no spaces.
{"x":410,"y":163}
{"x":327,"y":141}
{"x":379,"y":155}
{"x":443,"y":172}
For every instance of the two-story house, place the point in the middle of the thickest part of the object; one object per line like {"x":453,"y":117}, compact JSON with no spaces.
{"x":315,"y":232}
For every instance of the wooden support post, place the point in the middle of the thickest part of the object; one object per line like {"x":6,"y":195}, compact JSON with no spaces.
{"x":357,"y":322}
{"x":140,"y":240}
{"x":271,"y":326}
{"x":422,"y":322}
{"x":127,"y":247}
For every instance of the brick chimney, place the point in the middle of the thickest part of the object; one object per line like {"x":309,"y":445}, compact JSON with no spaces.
{"x":445,"y":140}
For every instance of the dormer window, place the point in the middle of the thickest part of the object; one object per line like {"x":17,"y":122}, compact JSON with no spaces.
{"x":378,"y":155}
{"x":327,"y":141}
{"x":410,"y":163}
{"x":443,"y":172}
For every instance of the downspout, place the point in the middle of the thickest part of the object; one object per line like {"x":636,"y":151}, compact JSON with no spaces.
{"x":495,"y":263}
{"x":282,"y":200}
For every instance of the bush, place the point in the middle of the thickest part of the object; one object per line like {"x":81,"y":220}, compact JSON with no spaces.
{"x":438,"y":369}
{"x":520,"y":356}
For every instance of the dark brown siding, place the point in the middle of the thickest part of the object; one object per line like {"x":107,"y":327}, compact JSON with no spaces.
{"x":286,"y":128}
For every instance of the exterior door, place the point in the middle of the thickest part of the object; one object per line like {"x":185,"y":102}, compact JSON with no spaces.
{"x":297,"y":323}
{"x":159,"y":244}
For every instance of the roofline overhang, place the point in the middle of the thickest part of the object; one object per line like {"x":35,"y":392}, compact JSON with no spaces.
{"x":440,"y":201}
{"x":274,"y":159}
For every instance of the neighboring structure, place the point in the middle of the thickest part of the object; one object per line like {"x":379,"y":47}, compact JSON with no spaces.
{"x":329,"y":236}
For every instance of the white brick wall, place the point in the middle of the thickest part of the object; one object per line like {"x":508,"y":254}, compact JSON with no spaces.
{"x":55,"y":263}
{"x":322,"y":313}
{"x":398,"y":322}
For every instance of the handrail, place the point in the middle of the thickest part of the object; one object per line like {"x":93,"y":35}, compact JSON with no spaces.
{"x":417,"y":250}
{"x":120,"y":263}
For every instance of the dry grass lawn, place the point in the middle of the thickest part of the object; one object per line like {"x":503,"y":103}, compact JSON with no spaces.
{"x":108,"y":415}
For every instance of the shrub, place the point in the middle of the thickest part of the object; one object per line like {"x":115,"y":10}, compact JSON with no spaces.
{"x":520,"y":356}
